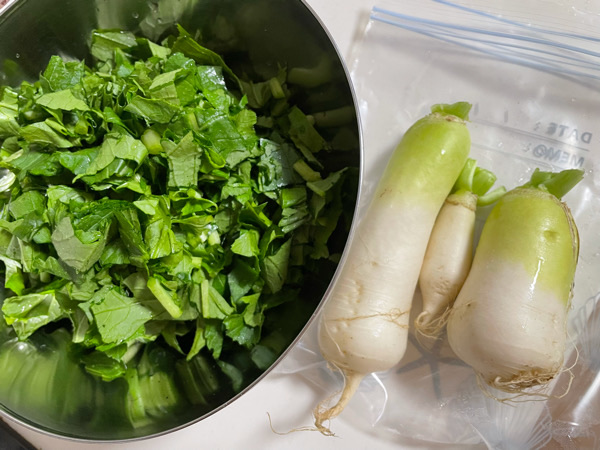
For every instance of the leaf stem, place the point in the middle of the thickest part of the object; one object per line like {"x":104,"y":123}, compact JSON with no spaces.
{"x":458,"y":109}
{"x":556,"y":183}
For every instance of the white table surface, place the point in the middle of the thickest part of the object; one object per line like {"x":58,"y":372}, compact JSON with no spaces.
{"x":288,"y":398}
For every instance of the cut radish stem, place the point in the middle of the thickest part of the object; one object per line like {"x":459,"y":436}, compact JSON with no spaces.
{"x":450,"y":249}
{"x":509,"y":319}
{"x":364,"y":325}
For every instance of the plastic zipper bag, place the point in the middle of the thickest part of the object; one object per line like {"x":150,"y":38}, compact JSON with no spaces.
{"x":534,"y":81}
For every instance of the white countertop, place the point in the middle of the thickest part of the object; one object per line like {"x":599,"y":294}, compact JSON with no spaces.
{"x":289,"y":399}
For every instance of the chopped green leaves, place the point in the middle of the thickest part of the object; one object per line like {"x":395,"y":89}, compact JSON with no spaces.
{"x":184,"y":162}
{"x":75,"y":253}
{"x":119,"y":317}
{"x":60,"y":74}
{"x":152,"y":109}
{"x":27,"y":313}
{"x":106,"y":42}
{"x":247,"y":243}
{"x":151,"y":214}
{"x":63,"y":100}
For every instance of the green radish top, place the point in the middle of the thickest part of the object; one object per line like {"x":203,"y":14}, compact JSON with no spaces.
{"x":478,"y":181}
{"x":458,"y":109}
{"x":428,"y":159}
{"x":556,"y":183}
{"x":531,"y":226}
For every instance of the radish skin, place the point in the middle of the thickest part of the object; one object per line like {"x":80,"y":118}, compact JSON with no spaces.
{"x":509,"y":320}
{"x":450,"y":250}
{"x":447,"y":261}
{"x":364,"y":324}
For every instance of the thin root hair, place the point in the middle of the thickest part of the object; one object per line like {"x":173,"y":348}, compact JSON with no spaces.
{"x":518,"y":387}
{"x":433,"y":328}
{"x":393,"y":316}
{"x":283,"y":433}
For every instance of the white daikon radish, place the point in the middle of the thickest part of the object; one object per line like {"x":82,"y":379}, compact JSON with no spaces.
{"x":450,"y":249}
{"x":364,"y":325}
{"x":509,"y":319}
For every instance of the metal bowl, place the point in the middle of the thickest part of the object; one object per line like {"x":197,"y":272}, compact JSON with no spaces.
{"x":255,"y":37}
